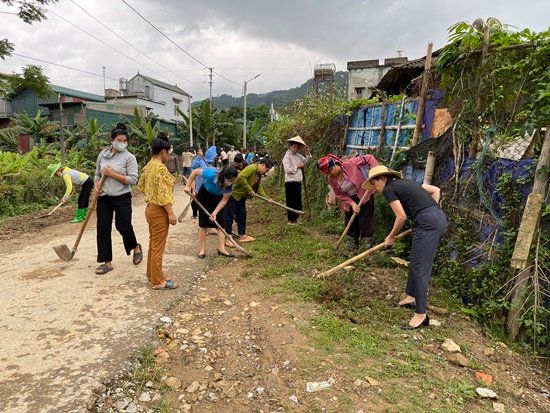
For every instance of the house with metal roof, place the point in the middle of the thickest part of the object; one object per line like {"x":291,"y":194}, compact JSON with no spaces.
{"x":160,"y":98}
{"x":72,"y":100}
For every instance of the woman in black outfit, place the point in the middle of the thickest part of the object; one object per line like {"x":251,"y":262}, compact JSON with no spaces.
{"x":421,"y":203}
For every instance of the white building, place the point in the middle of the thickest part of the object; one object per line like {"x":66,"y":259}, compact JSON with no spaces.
{"x":158,"y":97}
{"x":364,"y":75}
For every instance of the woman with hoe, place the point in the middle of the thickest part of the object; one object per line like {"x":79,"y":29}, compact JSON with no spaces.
{"x":293,"y":164}
{"x":346,"y":179}
{"x":421,"y":204}
{"x":213,"y":195}
{"x":246,"y":185}
{"x":157,"y":185}
{"x":120,"y":168}
{"x":74,"y":178}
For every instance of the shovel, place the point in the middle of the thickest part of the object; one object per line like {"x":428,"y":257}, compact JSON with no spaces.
{"x":280,"y":205}
{"x":63,"y":251}
{"x":376,"y":248}
{"x":220,"y":227}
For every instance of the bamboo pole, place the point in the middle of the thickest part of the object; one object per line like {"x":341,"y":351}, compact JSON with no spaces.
{"x":430,"y":166}
{"x":398,"y":128}
{"x":529,"y":224}
{"x":374,"y":249}
{"x":422,"y":98}
{"x":382,"y":124}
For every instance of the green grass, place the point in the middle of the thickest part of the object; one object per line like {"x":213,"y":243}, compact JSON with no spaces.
{"x":147,"y":369}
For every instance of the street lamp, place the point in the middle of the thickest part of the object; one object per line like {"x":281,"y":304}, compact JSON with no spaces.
{"x":244,"y":109}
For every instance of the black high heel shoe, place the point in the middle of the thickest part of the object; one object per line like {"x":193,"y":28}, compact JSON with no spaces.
{"x":425,"y":323}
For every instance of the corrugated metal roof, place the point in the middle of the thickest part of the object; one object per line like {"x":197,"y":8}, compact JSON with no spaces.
{"x":77,"y":93}
{"x":163,"y":85}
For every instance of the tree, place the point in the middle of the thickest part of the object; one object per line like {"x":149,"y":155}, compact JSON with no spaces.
{"x":30,"y":11}
{"x":31,"y":78}
{"x":40,"y":128}
{"x":207,"y":124}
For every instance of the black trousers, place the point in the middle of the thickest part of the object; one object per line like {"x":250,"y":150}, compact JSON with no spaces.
{"x":84,"y":196}
{"x":429,"y":225}
{"x":293,"y":193}
{"x":363,"y":224}
{"x":121,"y":207}
{"x":235,"y":210}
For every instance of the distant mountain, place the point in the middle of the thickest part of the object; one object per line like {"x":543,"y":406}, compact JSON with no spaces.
{"x":278,"y":97}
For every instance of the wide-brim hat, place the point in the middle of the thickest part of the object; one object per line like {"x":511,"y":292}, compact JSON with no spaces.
{"x":297,"y":139}
{"x":53,"y":168}
{"x":378,"y":171}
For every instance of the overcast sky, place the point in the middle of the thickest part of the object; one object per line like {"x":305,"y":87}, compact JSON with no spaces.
{"x":280,"y":39}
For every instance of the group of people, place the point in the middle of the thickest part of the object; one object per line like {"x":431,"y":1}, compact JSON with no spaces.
{"x":219,"y":198}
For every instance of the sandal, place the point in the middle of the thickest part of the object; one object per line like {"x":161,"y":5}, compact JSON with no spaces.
{"x":103,"y":269}
{"x":138,"y":256}
{"x":168,"y":285}
{"x":202,"y":256}
{"x":230,"y":255}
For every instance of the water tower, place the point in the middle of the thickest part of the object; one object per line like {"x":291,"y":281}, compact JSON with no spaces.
{"x":324,"y":73}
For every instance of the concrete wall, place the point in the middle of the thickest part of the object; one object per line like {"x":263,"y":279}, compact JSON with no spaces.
{"x":367,"y":78}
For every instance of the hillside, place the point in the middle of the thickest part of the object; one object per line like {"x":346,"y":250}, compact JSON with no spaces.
{"x":277,"y":97}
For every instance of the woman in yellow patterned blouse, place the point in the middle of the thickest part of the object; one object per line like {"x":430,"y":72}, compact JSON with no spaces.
{"x":156,"y":183}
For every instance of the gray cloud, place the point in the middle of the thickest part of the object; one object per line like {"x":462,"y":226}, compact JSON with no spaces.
{"x":242,"y":38}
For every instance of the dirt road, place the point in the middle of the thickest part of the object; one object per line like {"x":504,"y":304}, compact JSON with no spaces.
{"x":63,"y":328}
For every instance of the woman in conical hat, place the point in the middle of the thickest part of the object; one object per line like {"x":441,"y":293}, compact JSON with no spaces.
{"x":293,"y":164}
{"x":421,"y":204}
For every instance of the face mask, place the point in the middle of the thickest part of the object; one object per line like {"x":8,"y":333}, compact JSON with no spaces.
{"x":120,"y":146}
{"x":227,"y":182}
{"x":171,"y":150}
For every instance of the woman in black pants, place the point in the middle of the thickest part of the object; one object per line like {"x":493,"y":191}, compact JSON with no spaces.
{"x":120,"y":168}
{"x":421,"y":203}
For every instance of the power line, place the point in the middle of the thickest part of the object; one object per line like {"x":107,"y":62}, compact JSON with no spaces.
{"x":107,"y":44}
{"x":64,"y":66}
{"x":131,"y":45}
{"x":177,"y":45}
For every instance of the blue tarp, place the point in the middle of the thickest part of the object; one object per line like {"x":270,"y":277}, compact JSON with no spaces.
{"x":367,"y":117}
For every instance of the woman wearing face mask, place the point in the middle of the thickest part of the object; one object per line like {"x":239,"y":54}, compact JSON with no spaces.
{"x":120,"y":168}
{"x":213,"y":195}
{"x":156,"y":183}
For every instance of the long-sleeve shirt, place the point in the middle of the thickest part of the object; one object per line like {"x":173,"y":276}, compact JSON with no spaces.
{"x":245,"y":183}
{"x":123,"y":163}
{"x":355,"y":171}
{"x":290,"y":164}
{"x":72,"y":177}
{"x":156,"y":183}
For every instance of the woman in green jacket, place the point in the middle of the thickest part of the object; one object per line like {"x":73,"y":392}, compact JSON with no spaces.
{"x":246,"y":185}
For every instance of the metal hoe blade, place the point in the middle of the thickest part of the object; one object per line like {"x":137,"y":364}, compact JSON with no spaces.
{"x":64,"y":252}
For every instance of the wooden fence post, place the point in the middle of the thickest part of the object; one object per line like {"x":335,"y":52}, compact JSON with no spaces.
{"x":382,"y":124}
{"x":422,"y":98}
{"x":430,"y":166}
{"x":526,"y":233}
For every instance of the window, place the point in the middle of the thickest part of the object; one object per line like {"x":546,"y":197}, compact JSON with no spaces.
{"x":176,"y":107}
{"x":359,"y":91}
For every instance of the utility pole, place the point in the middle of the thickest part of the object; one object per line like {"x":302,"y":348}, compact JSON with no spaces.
{"x":244,"y":109}
{"x":190,"y":101}
{"x":104,"y":86}
{"x":244,"y":116}
{"x":210,"y":68}
{"x":61,"y":137}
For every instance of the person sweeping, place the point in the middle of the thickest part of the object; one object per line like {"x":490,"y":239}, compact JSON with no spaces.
{"x":420,"y":203}
{"x":247,"y":184}
{"x":74,"y":179}
{"x":346,"y":179}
